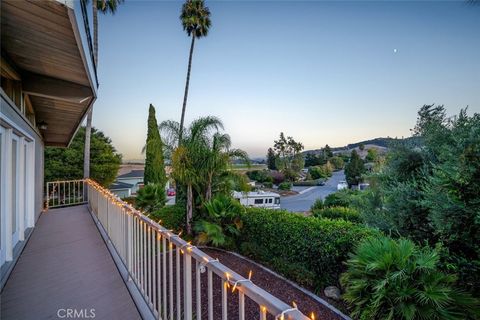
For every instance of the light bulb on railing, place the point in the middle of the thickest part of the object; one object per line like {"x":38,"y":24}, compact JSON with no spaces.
{"x":312,"y":316}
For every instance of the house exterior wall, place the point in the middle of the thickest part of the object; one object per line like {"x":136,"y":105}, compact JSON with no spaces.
{"x":11,"y":113}
{"x":20,"y":206}
{"x":132,"y":181}
{"x":122,"y":193}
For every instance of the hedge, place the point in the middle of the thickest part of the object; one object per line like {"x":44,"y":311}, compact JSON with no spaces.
{"x":308,"y":250}
{"x":172,"y":217}
{"x":285,"y":186}
{"x":344,"y":213}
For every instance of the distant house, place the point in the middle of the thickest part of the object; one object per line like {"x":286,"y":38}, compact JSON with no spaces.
{"x":121,"y":189}
{"x":134,"y":178}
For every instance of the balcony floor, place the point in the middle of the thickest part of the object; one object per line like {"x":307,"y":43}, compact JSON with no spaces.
{"x":66,"y":265}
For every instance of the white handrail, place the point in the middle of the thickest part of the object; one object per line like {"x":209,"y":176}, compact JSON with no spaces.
{"x":65,"y":193}
{"x":160,"y":264}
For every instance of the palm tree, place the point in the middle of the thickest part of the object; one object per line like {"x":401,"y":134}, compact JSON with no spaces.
{"x":196,"y":22}
{"x":218,"y":158}
{"x":396,"y":279}
{"x":188,"y":159}
{"x":105,"y":6}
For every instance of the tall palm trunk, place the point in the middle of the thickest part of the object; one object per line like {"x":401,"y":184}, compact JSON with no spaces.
{"x":189,"y":208}
{"x":182,"y":119}
{"x":88,"y":129}
{"x":208,"y":193}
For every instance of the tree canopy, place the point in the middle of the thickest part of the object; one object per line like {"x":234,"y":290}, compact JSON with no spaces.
{"x":289,"y":159}
{"x":67,"y":163}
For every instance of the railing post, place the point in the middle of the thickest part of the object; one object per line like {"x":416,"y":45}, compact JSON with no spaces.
{"x":48,"y":196}
{"x":187,"y":294}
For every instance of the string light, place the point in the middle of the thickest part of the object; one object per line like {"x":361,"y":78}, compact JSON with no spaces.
{"x":312,"y":316}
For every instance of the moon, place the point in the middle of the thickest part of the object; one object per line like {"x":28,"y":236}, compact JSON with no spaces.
{"x":395,"y":50}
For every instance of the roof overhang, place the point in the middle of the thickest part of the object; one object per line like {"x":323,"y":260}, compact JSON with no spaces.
{"x":43,"y":41}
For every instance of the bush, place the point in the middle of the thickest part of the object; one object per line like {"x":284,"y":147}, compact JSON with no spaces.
{"x":288,"y":243}
{"x":337,"y":163}
{"x":277,"y":177}
{"x":318,"y":204}
{"x":259,"y":175}
{"x":394,"y":279}
{"x":342,"y":198}
{"x":285,"y":186}
{"x":347,"y":214}
{"x":321,"y":172}
{"x":171,"y":217}
{"x":151,"y":197}
{"x":268,"y":184}
{"x":222,"y":223}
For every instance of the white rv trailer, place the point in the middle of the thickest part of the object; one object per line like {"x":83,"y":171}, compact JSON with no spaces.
{"x":258,"y":199}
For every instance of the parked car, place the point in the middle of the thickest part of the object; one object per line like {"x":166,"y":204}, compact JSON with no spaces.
{"x":171,"y":192}
{"x":342,"y":185}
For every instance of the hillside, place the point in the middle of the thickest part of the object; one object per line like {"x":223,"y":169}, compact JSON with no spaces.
{"x":379,"y":143}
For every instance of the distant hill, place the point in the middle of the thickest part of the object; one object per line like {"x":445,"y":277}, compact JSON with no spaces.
{"x":379,"y":143}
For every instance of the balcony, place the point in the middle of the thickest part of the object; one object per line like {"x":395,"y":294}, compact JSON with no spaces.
{"x":92,"y":251}
{"x":66,"y":265}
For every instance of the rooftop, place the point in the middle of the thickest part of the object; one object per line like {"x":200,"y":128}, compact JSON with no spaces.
{"x":132,"y":174}
{"x":118,"y":185}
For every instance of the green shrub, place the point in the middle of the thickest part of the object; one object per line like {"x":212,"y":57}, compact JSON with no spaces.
{"x":151,"y":197}
{"x":318,"y":204}
{"x":222,"y":224}
{"x":347,"y":214}
{"x":259,"y":175}
{"x":337,"y":163}
{"x":394,"y":279}
{"x":281,"y":239}
{"x":342,"y":198}
{"x":285,"y":186}
{"x":268,"y":184}
{"x":171,"y":217}
{"x":321,"y":172}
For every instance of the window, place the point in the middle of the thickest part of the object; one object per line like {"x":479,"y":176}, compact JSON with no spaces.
{"x":277,"y":200}
{"x":258,"y":201}
{"x":270,"y":200}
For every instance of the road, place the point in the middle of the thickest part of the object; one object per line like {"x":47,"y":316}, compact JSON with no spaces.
{"x":303,"y":202}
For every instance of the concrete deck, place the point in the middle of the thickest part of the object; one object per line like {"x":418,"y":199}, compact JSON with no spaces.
{"x":66,"y":265}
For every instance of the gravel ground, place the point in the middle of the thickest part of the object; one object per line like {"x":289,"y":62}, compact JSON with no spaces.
{"x":270,"y":283}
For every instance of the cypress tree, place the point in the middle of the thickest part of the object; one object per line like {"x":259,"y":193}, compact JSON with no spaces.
{"x":154,"y":164}
{"x":271,"y":158}
{"x":354,"y":169}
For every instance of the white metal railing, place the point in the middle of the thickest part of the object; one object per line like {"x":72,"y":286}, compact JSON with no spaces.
{"x":66,"y":193}
{"x":169,"y":272}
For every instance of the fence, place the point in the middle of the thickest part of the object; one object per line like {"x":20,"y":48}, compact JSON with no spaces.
{"x":65,"y":193}
{"x":176,"y":279}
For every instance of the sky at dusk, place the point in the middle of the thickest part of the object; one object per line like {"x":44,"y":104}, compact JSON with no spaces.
{"x":322,"y":72}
